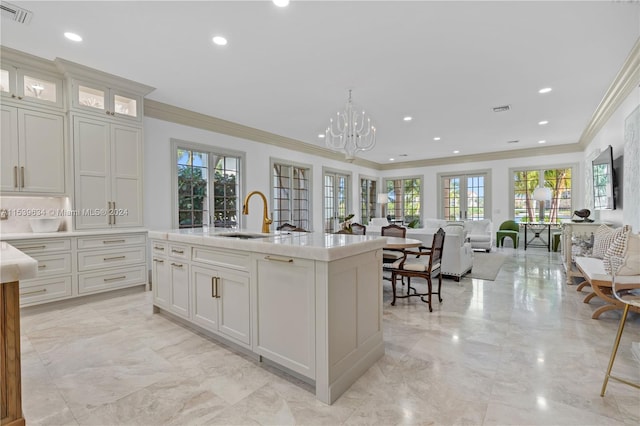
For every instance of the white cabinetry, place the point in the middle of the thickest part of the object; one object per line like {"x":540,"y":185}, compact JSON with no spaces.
{"x":108,"y":174}
{"x":286,"y":336}
{"x":221,"y":302}
{"x":54,"y":280}
{"x":29,"y":86}
{"x":170,"y":277}
{"x":108,"y":262}
{"x":33,"y":154}
{"x":102,"y":100}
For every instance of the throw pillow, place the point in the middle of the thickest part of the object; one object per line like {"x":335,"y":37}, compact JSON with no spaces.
{"x":631,"y":260}
{"x":603,"y":238}
{"x":617,"y":249}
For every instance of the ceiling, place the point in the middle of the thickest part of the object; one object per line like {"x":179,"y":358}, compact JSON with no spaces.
{"x":288,"y":70}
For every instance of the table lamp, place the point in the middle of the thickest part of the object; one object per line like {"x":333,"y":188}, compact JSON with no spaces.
{"x":542,"y":194}
{"x":382,"y":200}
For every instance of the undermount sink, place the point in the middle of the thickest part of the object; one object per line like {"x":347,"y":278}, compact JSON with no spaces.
{"x":244,"y":235}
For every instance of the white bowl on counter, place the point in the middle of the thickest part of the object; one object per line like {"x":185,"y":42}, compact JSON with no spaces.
{"x":44,"y":224}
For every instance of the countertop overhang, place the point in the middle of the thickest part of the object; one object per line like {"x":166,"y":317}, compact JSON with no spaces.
{"x":15,"y":265}
{"x":306,"y":245}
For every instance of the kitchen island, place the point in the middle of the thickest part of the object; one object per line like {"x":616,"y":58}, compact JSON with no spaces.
{"x":14,"y":266}
{"x":308,"y":302}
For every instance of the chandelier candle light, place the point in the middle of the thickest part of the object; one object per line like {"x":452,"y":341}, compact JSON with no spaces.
{"x":351,"y":132}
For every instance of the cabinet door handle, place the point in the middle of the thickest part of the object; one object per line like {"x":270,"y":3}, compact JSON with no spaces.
{"x":28,"y":293}
{"x":158,"y":260}
{"x":217,"y":282}
{"x":107,"y":112}
{"x":22,"y":176}
{"x":213,"y":292}
{"x":15,"y":177}
{"x":33,"y":247}
{"x":177,"y":265}
{"x":177,"y":251}
{"x":112,"y":241}
{"x":108,"y":210}
{"x":279,"y":259}
{"x":42,"y":266}
{"x":158,"y":248}
{"x":115,"y":258}
{"x":122,"y":277}
{"x":113,"y":212}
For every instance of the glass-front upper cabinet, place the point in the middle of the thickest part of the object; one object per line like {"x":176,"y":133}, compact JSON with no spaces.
{"x":103,"y":100}
{"x":21,"y":84}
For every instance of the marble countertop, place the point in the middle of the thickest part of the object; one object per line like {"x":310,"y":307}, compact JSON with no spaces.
{"x":15,"y":265}
{"x":306,"y":245}
{"x":66,"y":234}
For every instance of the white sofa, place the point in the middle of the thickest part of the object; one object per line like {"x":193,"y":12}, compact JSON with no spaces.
{"x":457,"y":255}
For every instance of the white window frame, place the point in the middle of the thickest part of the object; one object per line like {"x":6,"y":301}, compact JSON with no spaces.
{"x":272,"y":162}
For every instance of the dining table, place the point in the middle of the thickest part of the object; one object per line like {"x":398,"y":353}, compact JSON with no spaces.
{"x":399,"y":243}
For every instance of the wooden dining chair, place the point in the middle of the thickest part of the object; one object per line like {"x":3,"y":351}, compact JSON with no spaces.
{"x":289,"y":227}
{"x":358,"y":229}
{"x":425,"y":264}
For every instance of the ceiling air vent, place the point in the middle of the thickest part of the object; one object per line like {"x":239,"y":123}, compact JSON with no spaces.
{"x":513,"y":141}
{"x":502,"y":108}
{"x":15,"y":13}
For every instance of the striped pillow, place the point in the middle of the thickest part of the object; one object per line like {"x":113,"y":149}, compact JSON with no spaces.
{"x":603,"y":238}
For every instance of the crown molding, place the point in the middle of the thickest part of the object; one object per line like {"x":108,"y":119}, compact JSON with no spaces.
{"x":173,"y":114}
{"x":486,"y":156}
{"x":626,"y":81}
{"x":18,"y":57}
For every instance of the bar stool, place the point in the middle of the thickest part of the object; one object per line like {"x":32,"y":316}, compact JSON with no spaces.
{"x":629,"y":298}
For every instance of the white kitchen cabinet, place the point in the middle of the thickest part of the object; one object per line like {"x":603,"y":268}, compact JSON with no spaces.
{"x":54,"y":280}
{"x":221,"y":302}
{"x":33,"y":151}
{"x":179,"y":285}
{"x":107,"y":101}
{"x":24,"y":85}
{"x":108,"y":174}
{"x":160,"y":281}
{"x":286,"y":336}
{"x":111,"y":261}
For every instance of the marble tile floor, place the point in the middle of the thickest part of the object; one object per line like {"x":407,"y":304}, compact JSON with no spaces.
{"x":522,"y":350}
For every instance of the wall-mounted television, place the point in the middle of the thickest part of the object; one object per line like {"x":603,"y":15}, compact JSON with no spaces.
{"x":604,"y":181}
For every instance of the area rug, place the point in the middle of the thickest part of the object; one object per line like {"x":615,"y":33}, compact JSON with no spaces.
{"x":487,"y":265}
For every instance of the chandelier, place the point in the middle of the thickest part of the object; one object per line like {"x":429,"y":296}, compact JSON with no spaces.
{"x":351,"y":132}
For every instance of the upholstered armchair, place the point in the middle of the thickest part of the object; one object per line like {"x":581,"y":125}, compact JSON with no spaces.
{"x":457,"y":254}
{"x":480,"y":234}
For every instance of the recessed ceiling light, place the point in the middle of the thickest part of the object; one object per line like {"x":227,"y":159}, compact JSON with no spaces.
{"x":73,"y":36}
{"x":392,"y":159}
{"x":220,"y":41}
{"x":542,"y":141}
{"x":408,"y":118}
{"x":281,"y":3}
{"x":321,"y":135}
{"x":437,"y":138}
{"x":456,"y":152}
{"x":543,"y":122}
{"x":545,"y":90}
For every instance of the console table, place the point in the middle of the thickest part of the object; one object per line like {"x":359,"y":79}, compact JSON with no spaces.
{"x":538,"y":229}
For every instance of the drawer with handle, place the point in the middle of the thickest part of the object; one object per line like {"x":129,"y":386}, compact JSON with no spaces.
{"x":40,"y":290}
{"x":42,"y":246}
{"x":159,"y":248}
{"x":178,"y":251}
{"x":98,"y":259}
{"x":52,"y":264}
{"x":124,"y":277}
{"x":111,"y":240}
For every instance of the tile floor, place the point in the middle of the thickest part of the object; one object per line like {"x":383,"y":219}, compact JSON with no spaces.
{"x":520,"y":350}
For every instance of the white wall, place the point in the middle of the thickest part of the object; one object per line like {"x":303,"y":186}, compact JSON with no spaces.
{"x":158,"y":167}
{"x":613,"y":134}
